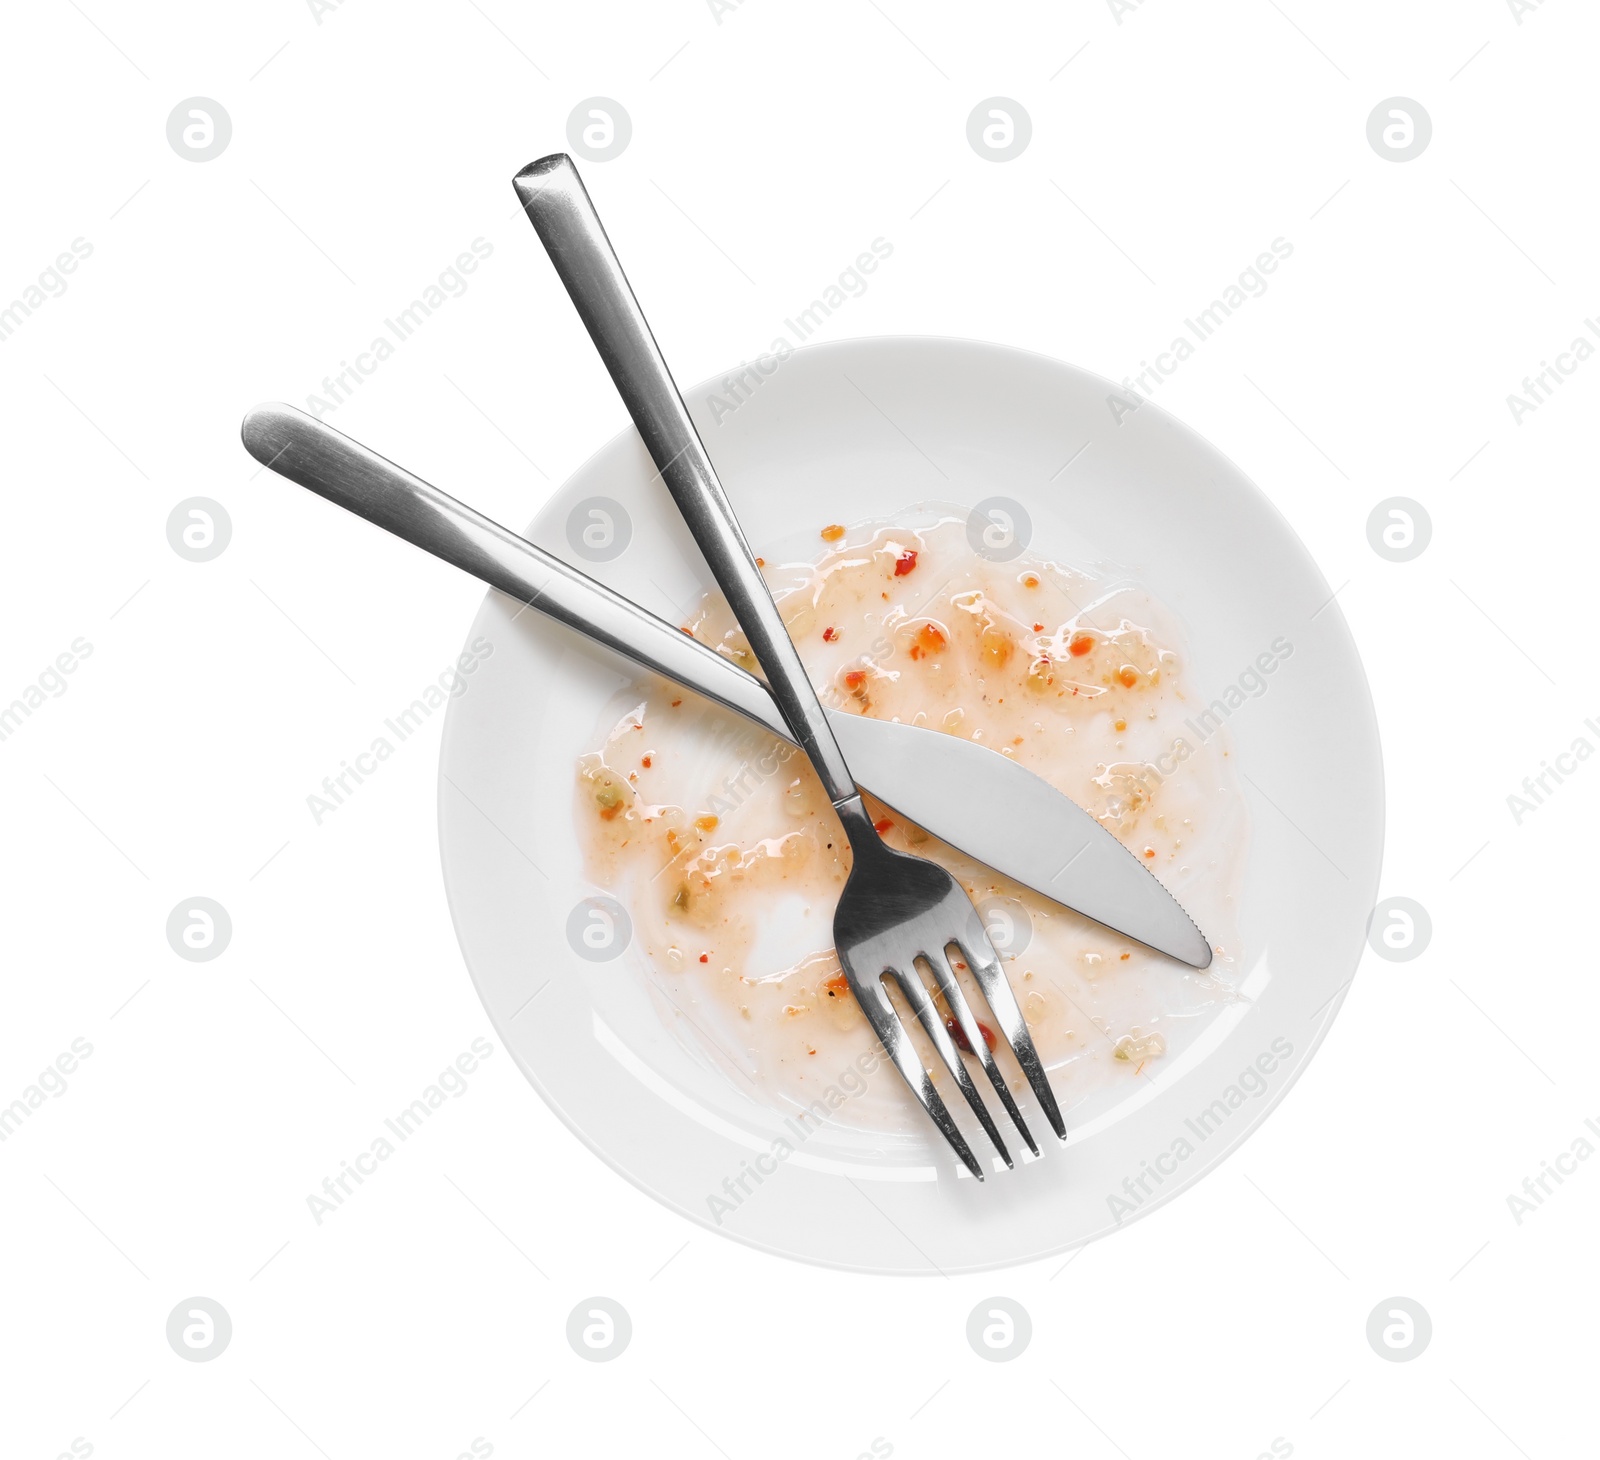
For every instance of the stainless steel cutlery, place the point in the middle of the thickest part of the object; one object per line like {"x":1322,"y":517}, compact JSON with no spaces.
{"x":898,"y":914}
{"x":1007,"y":817}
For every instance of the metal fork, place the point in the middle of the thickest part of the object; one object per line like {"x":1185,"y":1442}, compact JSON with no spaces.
{"x":896,"y":910}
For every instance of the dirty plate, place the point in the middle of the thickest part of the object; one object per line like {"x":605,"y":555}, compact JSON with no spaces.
{"x":845,"y":432}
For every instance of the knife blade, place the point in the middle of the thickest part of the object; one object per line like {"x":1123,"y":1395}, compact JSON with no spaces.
{"x":963,"y":793}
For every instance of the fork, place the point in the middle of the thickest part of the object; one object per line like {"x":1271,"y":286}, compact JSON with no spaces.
{"x":896,"y":911}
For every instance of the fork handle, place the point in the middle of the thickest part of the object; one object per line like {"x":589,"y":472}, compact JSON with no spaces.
{"x":558,"y":205}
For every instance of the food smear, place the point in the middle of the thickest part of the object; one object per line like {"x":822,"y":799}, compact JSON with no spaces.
{"x":719,"y":840}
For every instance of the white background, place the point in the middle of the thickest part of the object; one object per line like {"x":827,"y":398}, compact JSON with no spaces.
{"x":370,"y":149}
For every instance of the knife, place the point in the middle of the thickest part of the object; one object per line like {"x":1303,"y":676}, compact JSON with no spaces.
{"x":963,"y":793}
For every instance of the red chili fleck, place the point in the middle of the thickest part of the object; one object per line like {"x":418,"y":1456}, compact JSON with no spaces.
{"x":855,"y":678}
{"x":882,"y":824}
{"x":1081,"y":644}
{"x":705,"y":958}
{"x":829,"y":635}
{"x":1150,"y":851}
{"x":645,"y":762}
{"x":676,"y":703}
{"x":959,"y":1034}
{"x":905,"y":563}
{"x":1038,"y":628}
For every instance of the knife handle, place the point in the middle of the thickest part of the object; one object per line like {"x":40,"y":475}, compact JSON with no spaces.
{"x":330,"y":464}
{"x":558,"y":206}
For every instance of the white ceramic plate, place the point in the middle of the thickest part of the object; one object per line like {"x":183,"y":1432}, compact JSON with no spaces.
{"x":865,"y":429}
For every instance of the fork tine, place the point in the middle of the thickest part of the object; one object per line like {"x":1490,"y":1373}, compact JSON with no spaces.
{"x":923,"y":1006}
{"x":957,"y":1001}
{"x":874,"y":1003}
{"x":997,"y":990}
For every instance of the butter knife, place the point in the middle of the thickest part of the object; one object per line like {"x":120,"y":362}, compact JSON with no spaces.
{"x":965,"y":794}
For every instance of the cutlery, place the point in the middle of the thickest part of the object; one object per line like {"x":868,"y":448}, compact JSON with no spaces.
{"x":896,"y":913}
{"x":1008,"y":818}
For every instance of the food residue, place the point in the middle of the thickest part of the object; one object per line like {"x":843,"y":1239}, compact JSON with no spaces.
{"x":735,"y":847}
